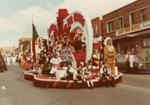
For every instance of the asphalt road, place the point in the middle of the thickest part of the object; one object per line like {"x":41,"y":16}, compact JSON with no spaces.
{"x":14,"y":90}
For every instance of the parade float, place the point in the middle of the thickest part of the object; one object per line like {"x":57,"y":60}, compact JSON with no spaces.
{"x":75,"y":30}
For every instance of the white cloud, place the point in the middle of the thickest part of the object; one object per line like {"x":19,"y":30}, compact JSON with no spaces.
{"x":94,"y":8}
{"x":20,"y":25}
{"x":6,"y":25}
{"x":8,"y":31}
{"x":41,"y":18}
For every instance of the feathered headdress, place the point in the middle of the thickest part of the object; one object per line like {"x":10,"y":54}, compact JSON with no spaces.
{"x":105,"y":41}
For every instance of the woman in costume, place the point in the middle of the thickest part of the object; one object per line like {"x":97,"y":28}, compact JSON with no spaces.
{"x":96,"y":57}
{"x":110,"y":55}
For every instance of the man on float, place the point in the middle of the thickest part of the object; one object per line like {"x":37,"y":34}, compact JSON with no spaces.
{"x":71,"y":72}
{"x":55,"y":61}
{"x":110,"y":55}
{"x":79,"y":42}
{"x":105,"y":73}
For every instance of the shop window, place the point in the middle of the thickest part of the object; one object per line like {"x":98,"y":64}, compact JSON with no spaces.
{"x":146,"y":42}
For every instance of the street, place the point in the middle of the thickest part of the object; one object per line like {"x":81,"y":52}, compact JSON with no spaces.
{"x":14,"y":90}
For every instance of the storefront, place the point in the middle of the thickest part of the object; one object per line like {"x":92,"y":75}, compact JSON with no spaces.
{"x":139,"y":40}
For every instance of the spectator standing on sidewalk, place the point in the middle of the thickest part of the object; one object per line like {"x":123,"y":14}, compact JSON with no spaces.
{"x":129,"y":61}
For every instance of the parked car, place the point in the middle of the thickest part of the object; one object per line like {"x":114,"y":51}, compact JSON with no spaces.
{"x":139,"y":63}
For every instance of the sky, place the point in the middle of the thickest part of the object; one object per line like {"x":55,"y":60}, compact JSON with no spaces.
{"x":16,"y":15}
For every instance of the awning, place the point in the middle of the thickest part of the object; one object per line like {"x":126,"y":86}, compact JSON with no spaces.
{"x":129,"y":35}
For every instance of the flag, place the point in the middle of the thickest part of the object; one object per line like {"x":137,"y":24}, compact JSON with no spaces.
{"x":34,"y":38}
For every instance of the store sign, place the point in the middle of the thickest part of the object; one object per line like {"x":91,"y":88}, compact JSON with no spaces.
{"x":127,"y":30}
{"x":135,"y":27}
{"x":120,"y":32}
{"x":146,"y":25}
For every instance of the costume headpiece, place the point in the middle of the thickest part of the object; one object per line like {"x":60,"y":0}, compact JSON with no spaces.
{"x":105,"y":41}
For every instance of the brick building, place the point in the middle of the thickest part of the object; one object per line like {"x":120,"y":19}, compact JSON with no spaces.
{"x":129,"y":26}
{"x":97,"y":32}
{"x":97,"y":27}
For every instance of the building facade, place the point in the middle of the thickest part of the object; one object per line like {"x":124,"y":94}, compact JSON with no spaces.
{"x":97,"y":32}
{"x":97,"y":27}
{"x":129,"y":27}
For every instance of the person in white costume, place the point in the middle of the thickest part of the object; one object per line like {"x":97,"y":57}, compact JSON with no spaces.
{"x":56,"y":60}
{"x":53,"y":71}
{"x":71,"y":72}
{"x":129,"y":60}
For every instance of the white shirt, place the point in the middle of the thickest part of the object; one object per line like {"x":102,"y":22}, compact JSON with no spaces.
{"x":74,"y":72}
{"x":64,"y":68}
{"x":53,"y":70}
{"x":131,"y":59}
{"x":100,"y":38}
{"x":101,"y":70}
{"x":116,"y":71}
{"x":56,"y":60}
{"x":38,"y":50}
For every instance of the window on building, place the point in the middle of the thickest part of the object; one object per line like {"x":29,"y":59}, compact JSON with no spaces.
{"x":132,"y":18}
{"x":109,"y":26}
{"x":96,"y":29}
{"x":143,"y":15}
{"x":146,"y":42}
{"x":120,"y":22}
